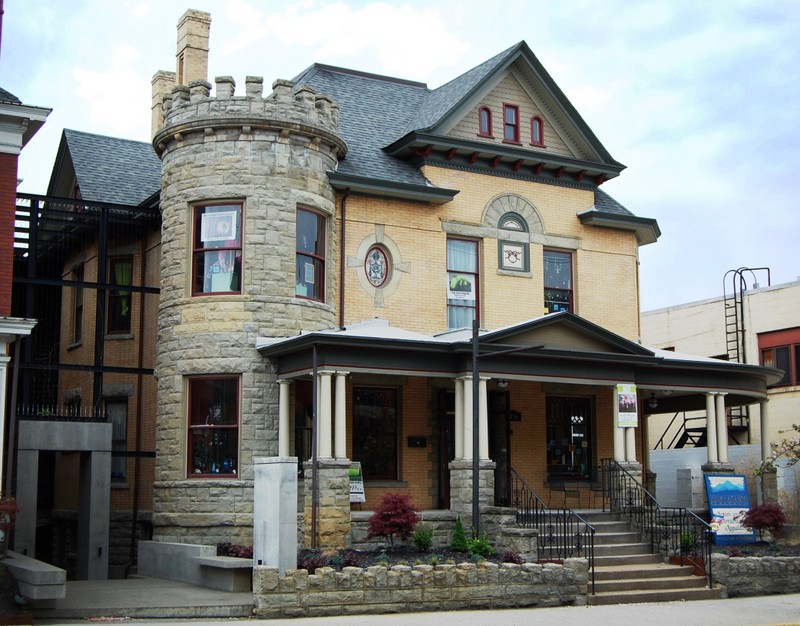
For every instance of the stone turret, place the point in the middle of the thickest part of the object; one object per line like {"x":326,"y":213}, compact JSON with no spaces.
{"x":270,"y":156}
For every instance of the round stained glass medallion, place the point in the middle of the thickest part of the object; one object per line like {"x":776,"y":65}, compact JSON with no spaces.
{"x":376,"y":266}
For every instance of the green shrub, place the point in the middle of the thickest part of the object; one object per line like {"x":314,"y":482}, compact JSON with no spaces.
{"x":480,"y":546}
{"x":459,"y":543}
{"x":423,"y":538}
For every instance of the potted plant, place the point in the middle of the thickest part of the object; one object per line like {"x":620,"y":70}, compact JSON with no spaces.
{"x":8,"y":514}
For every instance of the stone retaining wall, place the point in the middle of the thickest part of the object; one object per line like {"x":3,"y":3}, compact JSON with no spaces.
{"x":756,"y":576}
{"x":406,"y":589}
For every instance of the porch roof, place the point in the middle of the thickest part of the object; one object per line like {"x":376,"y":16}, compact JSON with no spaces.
{"x":561,"y":348}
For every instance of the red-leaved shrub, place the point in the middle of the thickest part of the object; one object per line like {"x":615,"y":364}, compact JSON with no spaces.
{"x":395,"y":515}
{"x":768,"y":516}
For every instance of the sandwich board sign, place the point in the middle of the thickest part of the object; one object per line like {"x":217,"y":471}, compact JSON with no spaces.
{"x":728,"y":502}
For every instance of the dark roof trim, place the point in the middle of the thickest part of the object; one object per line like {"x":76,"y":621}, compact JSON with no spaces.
{"x":565,"y":318}
{"x":392,"y":189}
{"x":646,"y":228}
{"x":420,"y":145}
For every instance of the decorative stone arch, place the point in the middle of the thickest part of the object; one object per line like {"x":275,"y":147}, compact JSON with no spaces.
{"x":512,"y":203}
{"x":396,"y":268}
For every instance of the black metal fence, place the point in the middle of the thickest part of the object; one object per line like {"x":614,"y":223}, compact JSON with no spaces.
{"x":678,"y":533}
{"x":563,"y":534}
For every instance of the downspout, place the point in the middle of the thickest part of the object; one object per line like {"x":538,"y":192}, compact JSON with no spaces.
{"x":342,"y":257}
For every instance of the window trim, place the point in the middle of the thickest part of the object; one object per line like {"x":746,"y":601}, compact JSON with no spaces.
{"x":537,"y":121}
{"x":485,"y":132}
{"x":507,"y":260}
{"x":476,"y":279}
{"x":771,"y":342}
{"x":398,"y":426}
{"x":237,"y":251}
{"x":115,"y":295}
{"x":570,"y":290}
{"x":322,"y":239}
{"x":191,"y":471}
{"x":513,"y":125}
{"x":79,"y":275}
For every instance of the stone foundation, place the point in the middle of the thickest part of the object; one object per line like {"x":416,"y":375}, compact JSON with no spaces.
{"x":406,"y":589}
{"x":756,"y":576}
{"x":333,"y":510}
{"x":461,"y":488}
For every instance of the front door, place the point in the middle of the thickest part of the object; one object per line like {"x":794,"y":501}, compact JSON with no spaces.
{"x":569,"y":437}
{"x":500,"y":445}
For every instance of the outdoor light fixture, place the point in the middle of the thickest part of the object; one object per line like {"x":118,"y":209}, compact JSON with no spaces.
{"x":652,"y":403}
{"x":502,"y":383}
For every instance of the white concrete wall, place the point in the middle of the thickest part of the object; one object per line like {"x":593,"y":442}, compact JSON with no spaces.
{"x":699,"y":328}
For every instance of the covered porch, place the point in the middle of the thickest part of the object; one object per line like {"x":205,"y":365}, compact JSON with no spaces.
{"x":402,"y":405}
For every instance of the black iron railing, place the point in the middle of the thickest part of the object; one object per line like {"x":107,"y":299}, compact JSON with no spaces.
{"x":676,"y":532}
{"x":563,"y":534}
{"x":61,"y":413}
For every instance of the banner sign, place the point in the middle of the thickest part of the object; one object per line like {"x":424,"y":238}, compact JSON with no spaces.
{"x":356,"y":483}
{"x":728,"y":501}
{"x":627,"y":406}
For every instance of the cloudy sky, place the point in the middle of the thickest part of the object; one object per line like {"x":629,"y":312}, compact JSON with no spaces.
{"x":699,"y":99}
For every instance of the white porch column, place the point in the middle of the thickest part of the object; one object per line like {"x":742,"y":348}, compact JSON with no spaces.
{"x":722,"y":429}
{"x":483,"y":421}
{"x":459,"y":419}
{"x":283,"y":417}
{"x":467,"y":418}
{"x":619,"y":444}
{"x":340,"y":417}
{"x":630,"y":445}
{"x":766,"y":449}
{"x":711,"y":429}
{"x":324,"y":415}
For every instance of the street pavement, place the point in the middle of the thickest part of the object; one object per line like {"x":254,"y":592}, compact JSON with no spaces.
{"x":780,"y":610}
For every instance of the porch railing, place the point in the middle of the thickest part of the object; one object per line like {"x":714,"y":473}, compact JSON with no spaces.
{"x":61,"y":413}
{"x":563,"y":534}
{"x":673,"y":531}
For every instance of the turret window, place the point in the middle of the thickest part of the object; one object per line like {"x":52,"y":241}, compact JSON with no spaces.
{"x":217,"y":251}
{"x":310,"y":255}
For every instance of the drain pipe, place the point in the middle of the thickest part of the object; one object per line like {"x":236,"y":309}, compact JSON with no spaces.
{"x":342,"y":257}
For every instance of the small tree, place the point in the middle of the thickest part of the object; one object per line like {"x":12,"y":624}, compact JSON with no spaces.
{"x":459,"y":542}
{"x":768,"y":516}
{"x":788,"y":448}
{"x":395,"y":515}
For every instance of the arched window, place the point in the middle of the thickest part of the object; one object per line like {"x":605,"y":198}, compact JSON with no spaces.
{"x":484,"y":122}
{"x":513,"y":253}
{"x":537,"y":131}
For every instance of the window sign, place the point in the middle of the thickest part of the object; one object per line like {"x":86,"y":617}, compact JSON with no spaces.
{"x":356,"y":483}
{"x":627,"y":406}
{"x":309,"y":273}
{"x":461,"y":287}
{"x":728,"y":502}
{"x":218,"y":226}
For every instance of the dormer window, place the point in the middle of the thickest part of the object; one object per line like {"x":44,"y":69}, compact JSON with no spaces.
{"x":510,"y":123}
{"x":484,"y":122}
{"x":537,"y":131}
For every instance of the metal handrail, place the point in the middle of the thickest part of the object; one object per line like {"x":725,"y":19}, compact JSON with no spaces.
{"x":563,"y":534}
{"x":675,"y":531}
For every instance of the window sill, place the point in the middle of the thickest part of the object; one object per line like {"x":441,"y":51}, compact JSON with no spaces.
{"x":512,"y":143}
{"x":118,"y":336}
{"x":517,"y":273}
{"x":119,"y":484}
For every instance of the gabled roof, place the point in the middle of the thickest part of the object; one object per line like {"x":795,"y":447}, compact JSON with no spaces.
{"x":107,"y":169}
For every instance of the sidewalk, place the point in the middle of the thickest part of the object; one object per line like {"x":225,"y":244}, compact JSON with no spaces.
{"x":143,"y":598}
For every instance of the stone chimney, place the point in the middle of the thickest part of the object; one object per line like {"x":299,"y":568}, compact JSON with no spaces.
{"x":191,"y":62}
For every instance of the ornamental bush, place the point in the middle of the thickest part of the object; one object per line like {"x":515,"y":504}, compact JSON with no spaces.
{"x":395,"y":515}
{"x":459,"y":542}
{"x":768,"y":516}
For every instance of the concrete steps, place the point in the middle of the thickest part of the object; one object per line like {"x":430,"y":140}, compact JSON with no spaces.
{"x":626,"y":572}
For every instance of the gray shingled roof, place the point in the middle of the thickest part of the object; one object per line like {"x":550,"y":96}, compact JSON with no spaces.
{"x":441,"y":100}
{"x":606,"y":204}
{"x":374,"y":112}
{"x":113,"y":170}
{"x":7,"y":96}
